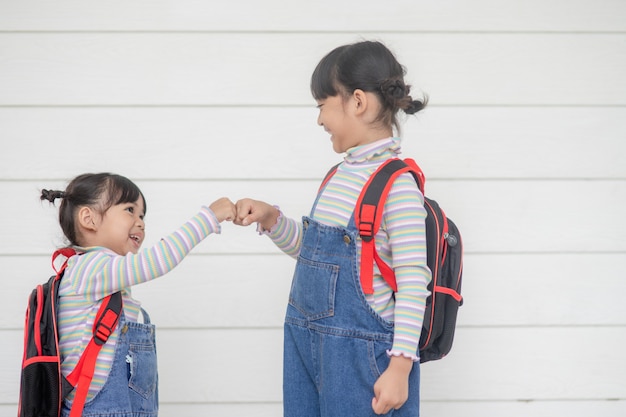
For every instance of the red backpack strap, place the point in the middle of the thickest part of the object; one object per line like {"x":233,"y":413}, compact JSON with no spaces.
{"x":417,"y":173}
{"x":104,"y":325}
{"x":67,"y":253}
{"x":368,"y":216}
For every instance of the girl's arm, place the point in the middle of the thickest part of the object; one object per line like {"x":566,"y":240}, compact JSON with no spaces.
{"x":284,"y":232}
{"x":405,"y":224}
{"x":100,"y":272}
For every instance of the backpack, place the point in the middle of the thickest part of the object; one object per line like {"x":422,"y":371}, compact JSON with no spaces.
{"x":444,"y":255}
{"x":43,"y":386}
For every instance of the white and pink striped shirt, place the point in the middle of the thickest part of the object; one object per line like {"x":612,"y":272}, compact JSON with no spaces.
{"x":98,"y":272}
{"x":400,"y":242}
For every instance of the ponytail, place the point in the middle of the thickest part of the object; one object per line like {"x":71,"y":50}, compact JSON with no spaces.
{"x":51,"y":195}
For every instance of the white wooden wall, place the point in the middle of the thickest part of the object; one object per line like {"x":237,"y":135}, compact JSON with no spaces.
{"x":524,"y":145}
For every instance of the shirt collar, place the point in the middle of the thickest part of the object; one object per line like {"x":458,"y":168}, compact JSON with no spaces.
{"x":380,"y":149}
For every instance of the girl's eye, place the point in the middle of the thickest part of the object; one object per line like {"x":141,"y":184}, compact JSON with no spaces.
{"x":130,"y":209}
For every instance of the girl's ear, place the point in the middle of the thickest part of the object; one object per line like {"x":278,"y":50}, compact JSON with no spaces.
{"x":360,"y":101}
{"x":86,"y":218}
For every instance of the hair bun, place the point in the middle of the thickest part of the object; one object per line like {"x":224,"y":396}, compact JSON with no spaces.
{"x":393,"y":90}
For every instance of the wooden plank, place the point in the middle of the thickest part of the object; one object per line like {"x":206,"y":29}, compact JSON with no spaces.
{"x":252,"y":290}
{"x":486,"y":365}
{"x":187,"y":143}
{"x":158,"y":69}
{"x":573,"y":408}
{"x":264,"y":409}
{"x":543,"y":290}
{"x":529,"y":363}
{"x":494,"y":216}
{"x":452,"y":409}
{"x":427,"y":408}
{"x":274,"y":15}
{"x":222,"y":361}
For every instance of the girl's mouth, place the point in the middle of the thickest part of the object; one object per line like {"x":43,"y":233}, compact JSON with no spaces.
{"x":136,"y":239}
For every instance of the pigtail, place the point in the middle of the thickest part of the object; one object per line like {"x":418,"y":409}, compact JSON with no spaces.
{"x":51,"y":195}
{"x":415,"y":105}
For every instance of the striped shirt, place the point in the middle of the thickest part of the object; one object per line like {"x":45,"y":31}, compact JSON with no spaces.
{"x":400,"y":242}
{"x":98,"y":272}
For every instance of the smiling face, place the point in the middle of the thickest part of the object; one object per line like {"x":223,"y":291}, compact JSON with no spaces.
{"x":337,"y":120}
{"x":352,"y":120}
{"x":120,"y":228}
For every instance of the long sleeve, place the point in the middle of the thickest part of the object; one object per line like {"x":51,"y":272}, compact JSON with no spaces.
{"x":404,"y":223}
{"x":286,"y":235}
{"x":99,"y":272}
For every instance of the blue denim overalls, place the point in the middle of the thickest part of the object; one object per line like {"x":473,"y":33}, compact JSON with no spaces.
{"x":334,"y":343}
{"x":131,"y":390}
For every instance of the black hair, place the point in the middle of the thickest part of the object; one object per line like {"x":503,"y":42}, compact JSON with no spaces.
{"x":369,"y":66}
{"x":100,"y":191}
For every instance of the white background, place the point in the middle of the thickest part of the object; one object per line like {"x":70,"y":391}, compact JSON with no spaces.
{"x":523,"y":144}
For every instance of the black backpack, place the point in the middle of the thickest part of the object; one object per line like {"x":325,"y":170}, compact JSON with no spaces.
{"x":42,"y":386}
{"x":444,"y":255}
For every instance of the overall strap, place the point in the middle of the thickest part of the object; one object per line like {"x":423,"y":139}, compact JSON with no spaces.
{"x":368,"y":217}
{"x":328,"y":176}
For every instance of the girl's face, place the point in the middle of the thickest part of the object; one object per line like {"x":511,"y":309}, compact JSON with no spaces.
{"x":336,"y":119}
{"x":121,"y":228}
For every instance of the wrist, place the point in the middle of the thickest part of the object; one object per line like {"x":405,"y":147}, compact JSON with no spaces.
{"x":270,"y":219}
{"x":401,"y":364}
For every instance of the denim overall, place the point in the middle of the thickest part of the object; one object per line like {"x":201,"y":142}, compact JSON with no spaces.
{"x":131,"y":390}
{"x":334,"y":343}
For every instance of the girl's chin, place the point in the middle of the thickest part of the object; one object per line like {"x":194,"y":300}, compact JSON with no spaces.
{"x":132,"y":250}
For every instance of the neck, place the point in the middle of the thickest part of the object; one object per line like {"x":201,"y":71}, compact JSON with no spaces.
{"x":371,"y":135}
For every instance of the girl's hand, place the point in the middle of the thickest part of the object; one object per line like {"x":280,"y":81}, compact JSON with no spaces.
{"x":250,"y":211}
{"x":391,"y":390}
{"x":224,"y":209}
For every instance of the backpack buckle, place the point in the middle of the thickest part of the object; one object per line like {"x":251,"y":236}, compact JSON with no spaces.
{"x":105,"y":327}
{"x":101,"y":335}
{"x":366,"y":225}
{"x":366,"y":230}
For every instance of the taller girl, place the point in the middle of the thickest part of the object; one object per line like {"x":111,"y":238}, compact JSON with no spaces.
{"x":347,"y":353}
